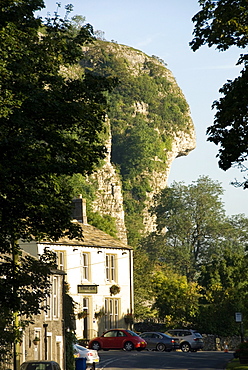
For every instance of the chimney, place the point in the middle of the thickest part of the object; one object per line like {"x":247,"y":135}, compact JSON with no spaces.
{"x":79,"y":209}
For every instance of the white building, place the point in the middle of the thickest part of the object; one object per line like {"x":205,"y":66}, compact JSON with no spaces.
{"x":99,"y":272}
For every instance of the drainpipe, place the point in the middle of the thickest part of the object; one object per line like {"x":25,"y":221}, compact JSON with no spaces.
{"x":45,"y":339}
{"x":16,"y":344}
{"x":131,"y":281}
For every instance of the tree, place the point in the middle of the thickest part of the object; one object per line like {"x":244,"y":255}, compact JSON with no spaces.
{"x":143,"y":278}
{"x":224,"y":281}
{"x":224,"y":23}
{"x":176,"y":299}
{"x":51,"y":123}
{"x":189,"y":220}
{"x":24,"y":287}
{"x":196,"y":243}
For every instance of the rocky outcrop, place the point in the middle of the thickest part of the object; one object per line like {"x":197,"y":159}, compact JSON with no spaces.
{"x":182,"y":144}
{"x":109,"y":196}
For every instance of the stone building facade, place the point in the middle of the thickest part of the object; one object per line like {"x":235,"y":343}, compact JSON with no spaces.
{"x":44,"y":339}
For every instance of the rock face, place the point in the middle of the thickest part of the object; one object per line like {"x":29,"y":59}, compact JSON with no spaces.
{"x":109,"y":198}
{"x":139,"y":73}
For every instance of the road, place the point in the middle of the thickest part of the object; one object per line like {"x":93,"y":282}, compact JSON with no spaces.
{"x":150,"y":360}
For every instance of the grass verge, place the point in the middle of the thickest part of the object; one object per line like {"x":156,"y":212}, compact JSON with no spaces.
{"x":235,"y":365}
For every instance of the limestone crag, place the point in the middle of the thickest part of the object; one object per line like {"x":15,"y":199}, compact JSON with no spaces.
{"x":164,"y":110}
{"x":109,"y":198}
{"x":183,"y":143}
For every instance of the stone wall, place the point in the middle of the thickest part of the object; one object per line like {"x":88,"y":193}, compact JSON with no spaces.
{"x":215,"y":343}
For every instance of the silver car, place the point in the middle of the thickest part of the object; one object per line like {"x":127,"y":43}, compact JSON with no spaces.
{"x":190,"y":340}
{"x":90,"y":355}
{"x":160,"y":341}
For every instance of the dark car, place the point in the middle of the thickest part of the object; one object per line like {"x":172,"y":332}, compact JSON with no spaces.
{"x":189,"y":340}
{"x":40,"y":365}
{"x":160,"y":341}
{"x":118,"y":339}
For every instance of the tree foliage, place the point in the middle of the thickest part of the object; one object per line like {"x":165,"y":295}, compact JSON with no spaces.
{"x":231,"y":123}
{"x":224,"y":292}
{"x":51,"y":126}
{"x":224,"y":23}
{"x":176,"y":299}
{"x":143,"y":286}
{"x":198,"y":259}
{"x":189,"y":220}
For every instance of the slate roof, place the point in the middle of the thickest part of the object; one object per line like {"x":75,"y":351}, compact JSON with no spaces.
{"x":92,"y":237}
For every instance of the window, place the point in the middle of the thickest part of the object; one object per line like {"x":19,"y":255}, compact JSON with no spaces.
{"x":111,"y":313}
{"x":85,"y":266}
{"x":52,"y":300}
{"x":111,"y":334}
{"x":48,"y":305}
{"x":60,"y":260}
{"x":116,"y":312}
{"x":110,"y":267}
{"x":55,"y":297}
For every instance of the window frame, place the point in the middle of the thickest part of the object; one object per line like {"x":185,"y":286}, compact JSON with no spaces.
{"x":111,"y":267}
{"x":85,"y":266}
{"x":61,"y":259}
{"x":112,"y":309}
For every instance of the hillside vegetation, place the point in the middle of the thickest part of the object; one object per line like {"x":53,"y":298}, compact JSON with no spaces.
{"x":146,"y":110}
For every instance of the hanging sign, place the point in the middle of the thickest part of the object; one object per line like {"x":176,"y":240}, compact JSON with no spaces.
{"x":90,"y":289}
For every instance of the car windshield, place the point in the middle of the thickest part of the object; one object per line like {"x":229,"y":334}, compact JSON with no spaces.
{"x":132,"y":333}
{"x":198,"y":335}
{"x":39,"y":366}
{"x":81,"y":348}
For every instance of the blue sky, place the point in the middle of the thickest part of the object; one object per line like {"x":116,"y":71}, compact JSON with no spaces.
{"x":164,"y":28}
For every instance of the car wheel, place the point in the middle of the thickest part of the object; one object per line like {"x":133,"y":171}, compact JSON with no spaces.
{"x":185,"y":347}
{"x":160,"y":347}
{"x":96,"y":345}
{"x":128,"y":346}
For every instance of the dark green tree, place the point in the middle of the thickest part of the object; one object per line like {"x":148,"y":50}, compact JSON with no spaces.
{"x":143,"y":280}
{"x":51,"y":126}
{"x":224,"y":23}
{"x":224,"y":281}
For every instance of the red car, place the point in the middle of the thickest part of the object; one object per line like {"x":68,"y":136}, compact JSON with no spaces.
{"x":118,"y":339}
